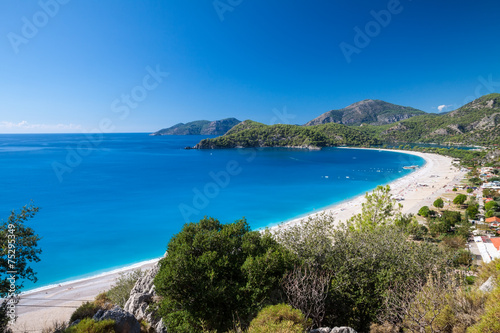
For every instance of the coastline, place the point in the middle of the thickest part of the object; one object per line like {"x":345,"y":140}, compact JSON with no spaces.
{"x":43,"y":306}
{"x":437,"y":172}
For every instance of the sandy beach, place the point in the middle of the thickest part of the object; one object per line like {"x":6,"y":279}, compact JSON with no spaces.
{"x":39,"y":309}
{"x":420,"y":188}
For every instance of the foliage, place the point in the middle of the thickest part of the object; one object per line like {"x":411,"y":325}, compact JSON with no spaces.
{"x":120,"y":290}
{"x":379,"y":209}
{"x":215,"y":272}
{"x":460,"y":199}
{"x":490,"y":320}
{"x":281,"y":318}
{"x":472,"y":211}
{"x":19,"y":248}
{"x":90,"y":326}
{"x":252,"y":134}
{"x":424,"y":211}
{"x":491,"y":205}
{"x":366,"y":263}
{"x":103,"y":301}
{"x":438,"y":203}
{"x":86,"y":310}
{"x":469,"y":190}
{"x":310,"y":240}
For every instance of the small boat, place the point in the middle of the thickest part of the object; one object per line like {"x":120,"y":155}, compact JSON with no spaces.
{"x":410,"y":167}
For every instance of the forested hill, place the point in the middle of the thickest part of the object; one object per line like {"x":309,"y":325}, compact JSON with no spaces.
{"x":369,"y":111}
{"x":203,"y":127}
{"x":474,"y":123}
{"x":253,"y":134}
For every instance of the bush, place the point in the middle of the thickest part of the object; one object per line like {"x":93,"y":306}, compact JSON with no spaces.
{"x":460,"y":199}
{"x":103,"y":302}
{"x":86,"y":310}
{"x":438,"y":203}
{"x":491,"y":205}
{"x":120,"y":291}
{"x":214,"y":273}
{"x":490,"y":321}
{"x":454,"y":189}
{"x":424,"y":211}
{"x":469,"y":190}
{"x":91,"y":326}
{"x":281,"y":318}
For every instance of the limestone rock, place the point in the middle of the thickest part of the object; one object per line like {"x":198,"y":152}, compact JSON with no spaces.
{"x":141,"y":296}
{"x":124,"y":321}
{"x":342,"y":329}
{"x":489,"y":285}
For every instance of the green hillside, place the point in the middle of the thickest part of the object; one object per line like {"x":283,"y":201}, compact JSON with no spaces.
{"x":474,"y":123}
{"x":253,"y":134}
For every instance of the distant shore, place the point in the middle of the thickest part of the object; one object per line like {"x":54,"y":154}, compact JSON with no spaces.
{"x":56,"y":303}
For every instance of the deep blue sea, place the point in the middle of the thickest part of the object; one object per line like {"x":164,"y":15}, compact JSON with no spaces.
{"x":111,"y":200}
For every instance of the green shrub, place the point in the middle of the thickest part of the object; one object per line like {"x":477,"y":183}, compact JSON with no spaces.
{"x":460,"y":199}
{"x":281,"y":318}
{"x":215,"y":272}
{"x":490,"y":320}
{"x":86,"y":310}
{"x":424,"y":211}
{"x":120,"y":291}
{"x":469,"y":190}
{"x":438,"y":203}
{"x":90,"y":326}
{"x":454,"y":189}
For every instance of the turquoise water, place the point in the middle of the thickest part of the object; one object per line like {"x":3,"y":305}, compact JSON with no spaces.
{"x":116,"y":199}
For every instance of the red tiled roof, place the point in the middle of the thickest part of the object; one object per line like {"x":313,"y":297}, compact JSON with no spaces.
{"x":492,"y":219}
{"x":496,"y":242}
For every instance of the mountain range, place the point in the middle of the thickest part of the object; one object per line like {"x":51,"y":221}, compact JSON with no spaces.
{"x":372,"y":122}
{"x":200,"y":127}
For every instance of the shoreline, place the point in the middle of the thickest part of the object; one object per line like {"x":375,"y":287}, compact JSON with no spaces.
{"x":56,"y":302}
{"x":403,"y":187}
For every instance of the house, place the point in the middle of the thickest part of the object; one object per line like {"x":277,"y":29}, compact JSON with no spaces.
{"x":493,"y":219}
{"x":496,"y":242}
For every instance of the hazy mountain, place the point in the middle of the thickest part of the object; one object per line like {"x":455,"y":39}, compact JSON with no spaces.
{"x":369,"y":111}
{"x":200,"y":127}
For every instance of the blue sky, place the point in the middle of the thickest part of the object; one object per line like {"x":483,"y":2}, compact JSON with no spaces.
{"x":138,"y":66}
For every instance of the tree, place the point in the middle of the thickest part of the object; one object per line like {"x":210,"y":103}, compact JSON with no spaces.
{"x":460,"y":199}
{"x":366,"y":264}
{"x":19,"y":246}
{"x":214,"y":273}
{"x":491,"y":205}
{"x":438,"y":203}
{"x":424,"y":211}
{"x":379,"y":209}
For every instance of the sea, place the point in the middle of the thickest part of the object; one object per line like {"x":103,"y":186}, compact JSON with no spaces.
{"x":112,"y":200}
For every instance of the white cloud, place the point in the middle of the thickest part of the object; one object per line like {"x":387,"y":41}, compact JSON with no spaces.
{"x":24,"y":125}
{"x":442,"y":107}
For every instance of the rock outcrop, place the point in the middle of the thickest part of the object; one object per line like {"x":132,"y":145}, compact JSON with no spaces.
{"x":124,"y":321}
{"x":141,"y":296}
{"x":489,"y":285}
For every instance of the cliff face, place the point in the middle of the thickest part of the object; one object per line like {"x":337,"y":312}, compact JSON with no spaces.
{"x":200,"y":127}
{"x":141,"y":296}
{"x":369,"y":111}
